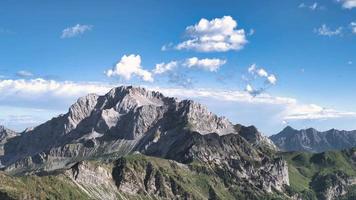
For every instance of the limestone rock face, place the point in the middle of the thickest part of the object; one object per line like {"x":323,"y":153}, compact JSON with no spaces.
{"x":95,"y":180}
{"x":332,"y":186}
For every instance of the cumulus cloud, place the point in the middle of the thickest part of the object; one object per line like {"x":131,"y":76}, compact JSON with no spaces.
{"x":75,"y":31}
{"x":258,"y":74}
{"x":272,"y":79}
{"x":261,"y":72}
{"x":348,"y":4}
{"x":24,"y":74}
{"x":130,"y":66}
{"x":165,"y":67}
{"x":324,"y":30}
{"x":217,"y":35}
{"x":252,"y":91}
{"x":209,"y":64}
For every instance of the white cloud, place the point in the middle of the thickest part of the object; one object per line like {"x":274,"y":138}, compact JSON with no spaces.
{"x":293,"y":110}
{"x":324,"y":30}
{"x":61,"y":94}
{"x":217,"y":35}
{"x":251,"y":32}
{"x":252,"y":69}
{"x":209,"y":64}
{"x":35,"y":88}
{"x":24,"y":73}
{"x":272,"y":79}
{"x":252,"y":91}
{"x":349,"y":4}
{"x":353,"y":27}
{"x":76,"y":30}
{"x":165,"y":67}
{"x":249,"y":88}
{"x":128,"y":66}
{"x":314,"y":6}
{"x":261,"y":72}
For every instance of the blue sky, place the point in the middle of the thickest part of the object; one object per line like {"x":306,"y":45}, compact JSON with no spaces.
{"x":48,"y":48}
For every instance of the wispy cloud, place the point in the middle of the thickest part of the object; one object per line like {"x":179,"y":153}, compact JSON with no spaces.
{"x":324,"y":30}
{"x":38,"y":92}
{"x":314,"y":6}
{"x":75,"y":31}
{"x":5,"y":31}
{"x":353,"y":27}
{"x":181,"y":79}
{"x":348,"y":4}
{"x":216,"y":35}
{"x":24,"y":74}
{"x":292,"y":109}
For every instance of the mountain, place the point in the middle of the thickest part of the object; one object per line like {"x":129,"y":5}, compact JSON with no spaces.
{"x":131,"y":143}
{"x":5,"y":135}
{"x":311,"y":140}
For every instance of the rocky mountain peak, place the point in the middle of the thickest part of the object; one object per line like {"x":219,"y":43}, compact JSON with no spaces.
{"x":5,"y":133}
{"x":201,"y":120}
{"x":129,"y":119}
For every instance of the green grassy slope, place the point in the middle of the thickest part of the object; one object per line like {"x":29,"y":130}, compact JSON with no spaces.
{"x":35,"y":187}
{"x":308,"y":172}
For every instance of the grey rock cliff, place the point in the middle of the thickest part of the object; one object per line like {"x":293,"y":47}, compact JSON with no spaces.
{"x":5,"y":135}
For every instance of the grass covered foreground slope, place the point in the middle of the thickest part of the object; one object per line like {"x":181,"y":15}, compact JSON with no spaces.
{"x":135,"y":176}
{"x":326,"y":175}
{"x":35,"y":187}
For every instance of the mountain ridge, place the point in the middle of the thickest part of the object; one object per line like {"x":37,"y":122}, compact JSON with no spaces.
{"x":312,"y":140}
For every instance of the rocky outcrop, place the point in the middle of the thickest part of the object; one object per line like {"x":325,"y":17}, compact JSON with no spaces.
{"x":230,"y":154}
{"x":94,"y":179}
{"x":5,"y":135}
{"x":253,"y":136}
{"x":332,"y":186}
{"x":311,"y":140}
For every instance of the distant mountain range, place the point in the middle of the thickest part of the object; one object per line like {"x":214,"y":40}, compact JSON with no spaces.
{"x":311,"y":140}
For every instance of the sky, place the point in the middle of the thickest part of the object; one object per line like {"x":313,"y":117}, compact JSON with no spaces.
{"x":270,"y":65}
